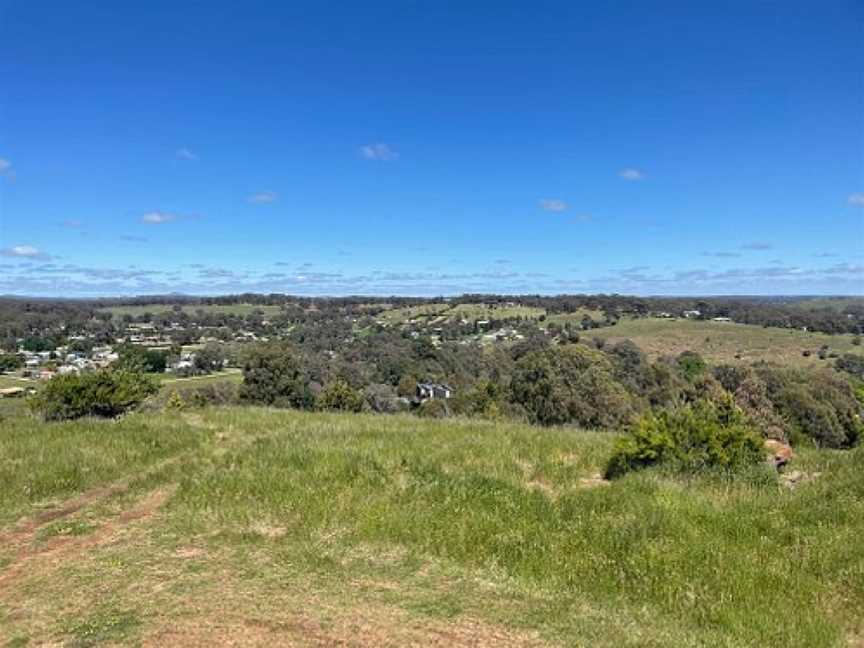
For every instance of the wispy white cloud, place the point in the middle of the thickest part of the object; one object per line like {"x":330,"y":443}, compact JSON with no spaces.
{"x":553,"y":204}
{"x":72,"y":223}
{"x":721,"y":255}
{"x":757,"y":246}
{"x":631,"y":174}
{"x":158,"y":218}
{"x":186,"y":154}
{"x":24,"y":252}
{"x":857,"y":199}
{"x":379,"y":151}
{"x":6,"y":169}
{"x":263,"y":198}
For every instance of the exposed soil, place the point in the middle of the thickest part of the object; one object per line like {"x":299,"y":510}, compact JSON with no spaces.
{"x":31,"y":557}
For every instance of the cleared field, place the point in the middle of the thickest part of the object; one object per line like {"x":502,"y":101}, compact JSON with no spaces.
{"x":461,"y":311}
{"x":487,"y":311}
{"x":158,"y":309}
{"x":229,"y":375}
{"x":723,"y":341}
{"x":15,"y":381}
{"x":399,"y":315}
{"x":261,"y":527}
{"x":575,"y":318}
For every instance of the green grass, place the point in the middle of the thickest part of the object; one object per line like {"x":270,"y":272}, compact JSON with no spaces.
{"x":576,"y":317}
{"x":16,"y":381}
{"x":43,"y":463}
{"x":228,"y":375}
{"x":470,"y":312}
{"x":290,"y":522}
{"x":720,"y":342}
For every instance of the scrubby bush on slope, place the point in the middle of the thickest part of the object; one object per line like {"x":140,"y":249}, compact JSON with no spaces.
{"x":688,"y":438}
{"x":105,"y":393}
{"x":818,"y":405}
{"x":340,"y":396}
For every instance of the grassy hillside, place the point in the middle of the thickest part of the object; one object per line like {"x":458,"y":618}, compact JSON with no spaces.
{"x":722,"y":341}
{"x":267,"y":527}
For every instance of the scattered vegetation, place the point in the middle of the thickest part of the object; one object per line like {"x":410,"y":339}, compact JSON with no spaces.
{"x":106,"y":393}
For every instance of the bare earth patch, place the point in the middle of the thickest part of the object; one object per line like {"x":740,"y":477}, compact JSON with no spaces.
{"x":360,"y":628}
{"x":31,"y":559}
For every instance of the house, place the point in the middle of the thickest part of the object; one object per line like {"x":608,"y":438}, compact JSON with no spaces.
{"x":721,"y":319}
{"x":431,"y":391}
{"x":12,"y":392}
{"x":691,"y":313}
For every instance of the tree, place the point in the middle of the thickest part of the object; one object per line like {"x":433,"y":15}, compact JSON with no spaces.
{"x":136,"y":358}
{"x":209,"y":358}
{"x":272,"y":375}
{"x":10,"y":362}
{"x":570,"y":384}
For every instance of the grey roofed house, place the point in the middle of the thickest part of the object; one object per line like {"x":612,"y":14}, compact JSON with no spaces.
{"x":431,"y":391}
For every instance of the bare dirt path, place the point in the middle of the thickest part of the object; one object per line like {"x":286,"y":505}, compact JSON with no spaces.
{"x":33,"y":558}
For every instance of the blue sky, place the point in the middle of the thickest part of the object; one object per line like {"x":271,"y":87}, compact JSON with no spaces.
{"x":431,"y":148}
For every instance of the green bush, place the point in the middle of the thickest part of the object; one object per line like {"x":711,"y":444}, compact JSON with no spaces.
{"x":691,"y":365}
{"x":219,"y":393}
{"x":10,"y":362}
{"x":340,"y":396}
{"x":688,"y":438}
{"x":106,"y":393}
{"x":434,"y":408}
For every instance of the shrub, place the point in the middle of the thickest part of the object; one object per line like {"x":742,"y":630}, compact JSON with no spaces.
{"x":106,"y":393}
{"x":817,"y":404}
{"x":691,"y":365}
{"x":382,"y":398}
{"x":339,"y":396}
{"x":852,"y":364}
{"x":688,"y":438}
{"x":434,"y":408}
{"x":223,"y":392}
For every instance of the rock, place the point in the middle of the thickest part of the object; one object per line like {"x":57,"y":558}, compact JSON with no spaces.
{"x":594,"y":481}
{"x":779,"y":453}
{"x":792,"y":478}
{"x":797,"y":477}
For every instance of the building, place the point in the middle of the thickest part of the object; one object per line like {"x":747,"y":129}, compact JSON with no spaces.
{"x":431,"y":391}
